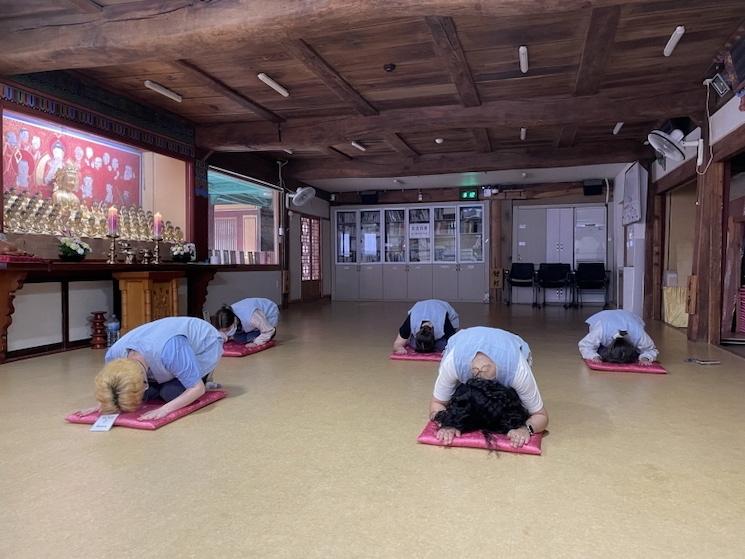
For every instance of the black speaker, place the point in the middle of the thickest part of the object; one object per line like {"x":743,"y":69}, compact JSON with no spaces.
{"x":592,"y":188}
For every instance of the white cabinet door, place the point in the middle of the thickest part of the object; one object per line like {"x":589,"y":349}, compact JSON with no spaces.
{"x":590,"y":235}
{"x":371,"y":282}
{"x":529,"y":235}
{"x":347,"y":282}
{"x":472,"y":282}
{"x":394,"y":282}
{"x":559,"y":235}
{"x":445,"y":282}
{"x":419,"y":282}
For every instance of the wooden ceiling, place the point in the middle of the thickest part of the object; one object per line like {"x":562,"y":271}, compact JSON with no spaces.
{"x":457,"y":77}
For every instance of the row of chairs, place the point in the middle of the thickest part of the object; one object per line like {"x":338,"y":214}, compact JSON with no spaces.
{"x":589,"y":276}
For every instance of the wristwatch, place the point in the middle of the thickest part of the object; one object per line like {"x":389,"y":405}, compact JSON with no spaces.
{"x":530,"y":428}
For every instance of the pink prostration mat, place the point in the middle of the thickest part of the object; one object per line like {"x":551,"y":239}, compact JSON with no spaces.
{"x":652,"y":369}
{"x":477,"y":440}
{"x":412,"y":355}
{"x":235,"y":349}
{"x":130,"y":419}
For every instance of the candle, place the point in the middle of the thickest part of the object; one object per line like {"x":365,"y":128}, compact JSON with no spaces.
{"x":112,"y":221}
{"x":157,"y":225}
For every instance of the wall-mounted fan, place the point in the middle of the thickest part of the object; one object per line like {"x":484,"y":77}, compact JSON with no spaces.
{"x":672,"y":146}
{"x":303,"y":195}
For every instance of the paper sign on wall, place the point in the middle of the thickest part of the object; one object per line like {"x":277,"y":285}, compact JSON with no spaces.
{"x":418,"y":230}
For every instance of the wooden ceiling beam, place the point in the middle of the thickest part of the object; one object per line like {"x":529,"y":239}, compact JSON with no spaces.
{"x":601,"y":34}
{"x":399,"y":144}
{"x":304,"y":53}
{"x":333,"y":152}
{"x":157,"y":30}
{"x":225,"y":90}
{"x":313,"y":132}
{"x":450,"y":52}
{"x":393,"y":166}
{"x":482,"y":140}
{"x":567,"y":136}
{"x":86,"y":6}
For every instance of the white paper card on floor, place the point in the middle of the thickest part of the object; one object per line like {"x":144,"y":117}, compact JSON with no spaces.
{"x":104,"y":422}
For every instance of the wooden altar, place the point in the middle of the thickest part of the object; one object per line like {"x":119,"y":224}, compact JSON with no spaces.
{"x":13,"y":275}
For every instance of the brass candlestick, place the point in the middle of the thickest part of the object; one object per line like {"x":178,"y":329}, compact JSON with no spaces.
{"x":112,"y":249}
{"x":156,"y":250}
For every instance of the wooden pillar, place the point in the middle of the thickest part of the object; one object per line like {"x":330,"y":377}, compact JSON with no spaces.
{"x":495,"y":251}
{"x":733,"y":257}
{"x":655,"y":241}
{"x":705,"y":322}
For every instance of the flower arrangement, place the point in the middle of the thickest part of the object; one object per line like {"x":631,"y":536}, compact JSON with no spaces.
{"x":183,"y":252}
{"x":72,"y":248}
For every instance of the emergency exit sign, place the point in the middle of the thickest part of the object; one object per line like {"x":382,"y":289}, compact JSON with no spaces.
{"x":469,"y":194}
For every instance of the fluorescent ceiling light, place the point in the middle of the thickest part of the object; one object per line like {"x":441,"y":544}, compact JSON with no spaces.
{"x":359,"y":146}
{"x":523,"y":133}
{"x":674,"y":38}
{"x":274,"y":85}
{"x":617,"y":128}
{"x":163,"y":91}
{"x":288,"y":151}
{"x":522,"y":53}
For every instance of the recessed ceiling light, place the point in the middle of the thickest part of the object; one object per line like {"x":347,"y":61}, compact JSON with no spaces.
{"x":673,"y":41}
{"x":522,"y":54}
{"x":274,"y":85}
{"x":439,"y":140}
{"x":359,"y":146}
{"x":389,"y":67}
{"x":288,"y":151}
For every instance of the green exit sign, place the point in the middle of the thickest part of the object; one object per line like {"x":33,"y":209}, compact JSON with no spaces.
{"x":469,"y":194}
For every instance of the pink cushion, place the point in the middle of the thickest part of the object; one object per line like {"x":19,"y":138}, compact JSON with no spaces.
{"x":412,"y":355}
{"x":652,"y":369}
{"x":235,"y":349}
{"x":130,"y":419}
{"x":476,"y":440}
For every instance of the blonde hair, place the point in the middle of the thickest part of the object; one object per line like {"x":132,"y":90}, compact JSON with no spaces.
{"x":120,"y":386}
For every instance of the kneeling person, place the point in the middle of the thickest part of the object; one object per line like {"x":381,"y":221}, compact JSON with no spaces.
{"x":617,"y":336}
{"x":168,"y":359}
{"x":428,"y":327}
{"x":251,"y":321}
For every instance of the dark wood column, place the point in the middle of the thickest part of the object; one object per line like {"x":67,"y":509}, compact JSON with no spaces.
{"x":655,"y":240}
{"x":495,"y":251}
{"x":706,"y":300}
{"x":10,"y":282}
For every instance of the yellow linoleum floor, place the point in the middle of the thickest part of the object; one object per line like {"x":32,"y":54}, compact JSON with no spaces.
{"x":314,"y":455}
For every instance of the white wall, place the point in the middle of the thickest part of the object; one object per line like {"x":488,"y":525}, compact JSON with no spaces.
{"x":724,"y":121}
{"x":629,"y":280}
{"x":37,"y":319}
{"x":228,"y":287}
{"x":84,"y":298}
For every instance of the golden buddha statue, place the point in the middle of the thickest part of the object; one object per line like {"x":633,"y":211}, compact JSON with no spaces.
{"x":65,"y":185}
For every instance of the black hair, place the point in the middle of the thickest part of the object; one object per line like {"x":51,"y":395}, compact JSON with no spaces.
{"x":424,"y":340}
{"x":621,"y":350}
{"x":225,"y":317}
{"x":483,"y":405}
